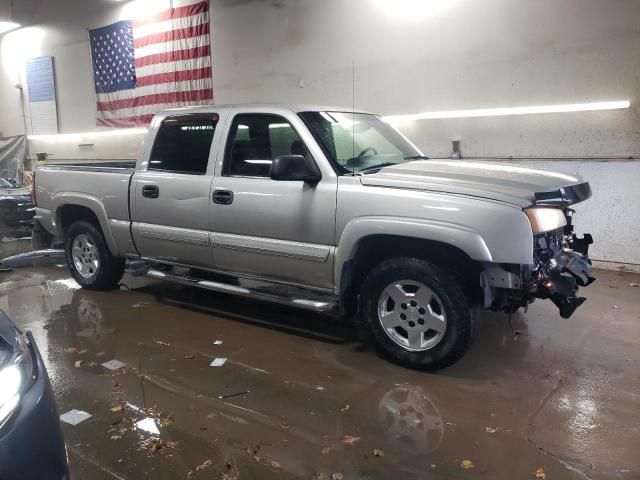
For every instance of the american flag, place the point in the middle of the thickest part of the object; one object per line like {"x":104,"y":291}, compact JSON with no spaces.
{"x":144,"y":65}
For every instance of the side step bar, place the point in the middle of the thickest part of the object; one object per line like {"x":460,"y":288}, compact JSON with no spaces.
{"x":324,"y":303}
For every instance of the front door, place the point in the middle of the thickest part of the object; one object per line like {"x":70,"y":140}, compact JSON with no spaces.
{"x":278,"y":230}
{"x":172,"y":191}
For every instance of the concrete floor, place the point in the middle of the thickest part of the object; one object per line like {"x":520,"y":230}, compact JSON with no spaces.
{"x":564,"y":396}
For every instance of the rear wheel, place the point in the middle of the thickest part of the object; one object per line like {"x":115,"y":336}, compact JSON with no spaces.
{"x":89,"y":259}
{"x":417,"y":313}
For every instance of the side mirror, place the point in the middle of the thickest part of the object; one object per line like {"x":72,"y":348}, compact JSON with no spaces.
{"x":295,"y":168}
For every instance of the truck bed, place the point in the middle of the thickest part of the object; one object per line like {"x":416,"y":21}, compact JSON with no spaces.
{"x":103,"y":188}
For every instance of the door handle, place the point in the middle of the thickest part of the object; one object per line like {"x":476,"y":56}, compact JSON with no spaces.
{"x":150,"y":191}
{"x":222,"y":197}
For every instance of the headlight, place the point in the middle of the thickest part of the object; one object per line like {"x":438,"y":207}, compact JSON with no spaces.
{"x":16,"y":371}
{"x":545,"y":219}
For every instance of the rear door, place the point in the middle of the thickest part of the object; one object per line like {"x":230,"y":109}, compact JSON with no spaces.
{"x":171,"y":190}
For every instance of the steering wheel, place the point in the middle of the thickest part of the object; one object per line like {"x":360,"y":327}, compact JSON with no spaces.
{"x":364,"y":152}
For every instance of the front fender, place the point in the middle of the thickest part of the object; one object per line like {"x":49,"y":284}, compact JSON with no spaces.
{"x":88,"y":201}
{"x":461,"y":237}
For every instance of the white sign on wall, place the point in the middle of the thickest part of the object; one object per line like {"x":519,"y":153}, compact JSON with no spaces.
{"x":42,"y":95}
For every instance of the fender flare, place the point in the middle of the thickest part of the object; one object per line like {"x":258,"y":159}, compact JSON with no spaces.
{"x":92,"y":203}
{"x":461,"y":237}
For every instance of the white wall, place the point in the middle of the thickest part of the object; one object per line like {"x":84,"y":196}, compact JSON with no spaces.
{"x":451,"y":54}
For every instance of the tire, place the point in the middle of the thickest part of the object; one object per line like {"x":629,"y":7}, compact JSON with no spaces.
{"x":97,"y":269}
{"x":439,"y":325}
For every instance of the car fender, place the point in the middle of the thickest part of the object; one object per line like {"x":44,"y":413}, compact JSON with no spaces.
{"x":459,"y":236}
{"x":94,"y":204}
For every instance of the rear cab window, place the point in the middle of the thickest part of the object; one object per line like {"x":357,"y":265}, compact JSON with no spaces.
{"x":183,"y":143}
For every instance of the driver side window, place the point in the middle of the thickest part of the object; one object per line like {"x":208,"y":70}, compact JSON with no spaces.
{"x":255,"y":140}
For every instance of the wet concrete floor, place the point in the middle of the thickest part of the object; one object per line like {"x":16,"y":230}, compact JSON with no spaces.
{"x":564,"y":396}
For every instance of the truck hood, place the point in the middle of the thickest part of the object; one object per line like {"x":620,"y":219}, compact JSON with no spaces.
{"x":505,"y":183}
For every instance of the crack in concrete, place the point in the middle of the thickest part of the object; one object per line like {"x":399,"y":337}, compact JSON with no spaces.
{"x":530,"y":426}
{"x":561,"y":461}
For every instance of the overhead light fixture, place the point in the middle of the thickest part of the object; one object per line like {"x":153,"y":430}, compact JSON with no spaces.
{"x":497,"y":112}
{"x":99,"y":133}
{"x":8,"y":26}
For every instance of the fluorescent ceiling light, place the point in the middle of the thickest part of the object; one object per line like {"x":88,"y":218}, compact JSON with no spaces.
{"x":8,"y":26}
{"x":496,"y":112}
{"x":99,"y":133}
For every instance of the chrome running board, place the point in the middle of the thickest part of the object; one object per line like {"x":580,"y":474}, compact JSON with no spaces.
{"x":291,"y":296}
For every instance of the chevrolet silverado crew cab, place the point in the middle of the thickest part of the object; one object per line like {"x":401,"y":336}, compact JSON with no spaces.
{"x":324,"y":209}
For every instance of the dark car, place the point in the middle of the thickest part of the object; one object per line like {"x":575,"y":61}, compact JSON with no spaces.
{"x":31,"y":442}
{"x":16,"y":209}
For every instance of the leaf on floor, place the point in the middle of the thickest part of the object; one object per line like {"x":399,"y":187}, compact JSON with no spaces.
{"x":377,"y":453}
{"x":490,"y":430}
{"x":275,"y":464}
{"x":350,"y":440}
{"x":466,"y":465}
{"x":189,"y":357}
{"x":203,"y":465}
{"x":540,"y":474}
{"x":116,"y":408}
{"x":78,"y":363}
{"x":71,"y":350}
{"x":337,"y":476}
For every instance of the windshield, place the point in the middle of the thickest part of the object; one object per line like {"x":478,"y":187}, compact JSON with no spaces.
{"x":359,"y":143}
{"x":5,"y":184}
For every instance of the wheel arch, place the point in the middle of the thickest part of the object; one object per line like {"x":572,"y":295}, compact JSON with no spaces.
{"x":367,"y":242}
{"x":74,"y":208}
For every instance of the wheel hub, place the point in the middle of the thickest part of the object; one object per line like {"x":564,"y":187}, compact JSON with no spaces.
{"x":412,"y":315}
{"x":85,"y":256}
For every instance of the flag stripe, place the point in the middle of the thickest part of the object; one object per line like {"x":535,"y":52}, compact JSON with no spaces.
{"x":200,"y":84}
{"x":170,"y":97}
{"x":177,"y":66}
{"x":142,"y":120}
{"x":172,"y":35}
{"x":171,"y":46}
{"x":179,"y":12}
{"x":152,"y":108}
{"x":175,"y":55}
{"x":175,"y":76}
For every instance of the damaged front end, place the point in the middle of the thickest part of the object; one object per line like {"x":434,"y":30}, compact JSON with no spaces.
{"x":561,"y":265}
{"x":560,"y":259}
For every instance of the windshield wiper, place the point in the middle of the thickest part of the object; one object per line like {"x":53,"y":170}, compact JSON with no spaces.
{"x":375,"y":168}
{"x":417,"y":157}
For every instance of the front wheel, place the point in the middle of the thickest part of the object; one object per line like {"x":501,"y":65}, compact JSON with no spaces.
{"x":89,"y":259}
{"x":417,"y":313}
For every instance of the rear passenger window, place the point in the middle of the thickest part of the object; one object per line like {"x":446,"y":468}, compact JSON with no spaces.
{"x":182,"y":144}
{"x":255,"y":140}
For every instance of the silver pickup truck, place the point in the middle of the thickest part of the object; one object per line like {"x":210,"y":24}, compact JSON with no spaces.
{"x":327,"y":210}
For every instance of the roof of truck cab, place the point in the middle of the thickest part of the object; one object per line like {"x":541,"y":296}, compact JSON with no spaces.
{"x":265,"y":106}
